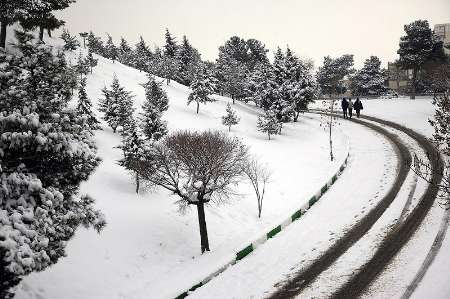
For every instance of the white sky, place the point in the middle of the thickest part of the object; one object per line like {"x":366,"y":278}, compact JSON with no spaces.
{"x":312,"y":28}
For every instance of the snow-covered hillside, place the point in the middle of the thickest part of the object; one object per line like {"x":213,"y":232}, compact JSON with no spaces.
{"x":151,"y":250}
{"x":148,"y":247}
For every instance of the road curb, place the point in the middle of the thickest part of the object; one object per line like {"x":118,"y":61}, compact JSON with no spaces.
{"x":246,"y":250}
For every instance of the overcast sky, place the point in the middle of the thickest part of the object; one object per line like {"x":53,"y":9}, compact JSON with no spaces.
{"x":312,"y":28}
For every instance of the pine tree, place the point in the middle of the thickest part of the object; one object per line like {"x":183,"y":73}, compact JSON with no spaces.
{"x":418,"y":47}
{"x":141,"y":56}
{"x":171,"y":47}
{"x":84,"y":107}
{"x":133,"y":149}
{"x":266,"y":91}
{"x":369,"y":80}
{"x":298,"y":87}
{"x":231,"y":118}
{"x":268,"y":123}
{"x":46,"y":152}
{"x":12,"y":11}
{"x":279,"y":69}
{"x":91,"y":61}
{"x":111,"y":51}
{"x":330,"y":76}
{"x":202,"y":88}
{"x":124,"y":52}
{"x":117,"y":105}
{"x":257,"y":53}
{"x":95,"y":44}
{"x":70,"y":42}
{"x":156,"y":103}
{"x":189,"y":59}
{"x":41,"y":21}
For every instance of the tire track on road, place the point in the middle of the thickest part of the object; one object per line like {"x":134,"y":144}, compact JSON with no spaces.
{"x":303,"y":278}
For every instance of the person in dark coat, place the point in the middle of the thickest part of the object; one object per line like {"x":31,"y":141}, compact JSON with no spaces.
{"x":350,"y":107}
{"x":344,"y":105}
{"x":358,"y":106}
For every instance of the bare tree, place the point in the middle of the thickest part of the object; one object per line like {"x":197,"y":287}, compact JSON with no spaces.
{"x":441,"y":138}
{"x":329,"y":120}
{"x":259,"y":176}
{"x":199,"y":167}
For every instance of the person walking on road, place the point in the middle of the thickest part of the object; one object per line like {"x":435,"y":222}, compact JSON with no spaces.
{"x":344,"y":105}
{"x":358,"y":107}
{"x":350,"y":107}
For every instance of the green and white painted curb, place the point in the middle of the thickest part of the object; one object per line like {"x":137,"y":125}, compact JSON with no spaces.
{"x":273,"y":232}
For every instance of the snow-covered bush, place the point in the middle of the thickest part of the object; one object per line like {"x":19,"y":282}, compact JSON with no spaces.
{"x":46,"y":151}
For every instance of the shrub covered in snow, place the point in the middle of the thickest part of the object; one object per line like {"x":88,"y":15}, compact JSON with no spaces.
{"x":46,"y":151}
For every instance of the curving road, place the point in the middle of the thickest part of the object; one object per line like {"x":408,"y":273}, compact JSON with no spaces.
{"x":392,"y":243}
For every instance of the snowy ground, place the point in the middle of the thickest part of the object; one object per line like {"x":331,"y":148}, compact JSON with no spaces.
{"x":348,"y":200}
{"x":149,"y":250}
{"x":148,"y":247}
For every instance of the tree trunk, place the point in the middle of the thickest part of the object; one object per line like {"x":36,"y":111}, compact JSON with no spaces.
{"x":198,"y":106}
{"x":49,"y":33}
{"x":202,"y":225}
{"x":414,"y":83}
{"x":233,"y":100}
{"x":269,"y":135}
{"x":114,"y":129}
{"x":229,"y":128}
{"x":3,"y":34}
{"x":259,"y":206}
{"x":137,"y":182}
{"x":41,"y":33}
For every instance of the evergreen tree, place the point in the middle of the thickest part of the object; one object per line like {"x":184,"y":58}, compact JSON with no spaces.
{"x":91,"y":61}
{"x":95,"y":44}
{"x":84,"y":107}
{"x":156,"y":103}
{"x":369,"y":80}
{"x":42,"y":21}
{"x":133,"y":149}
{"x":141,"y":56}
{"x":279,"y":68}
{"x":117,"y":105}
{"x":124,"y":52}
{"x":70,"y":42}
{"x":235,"y":48}
{"x":40,"y":11}
{"x":189,"y":59}
{"x":418,"y":47}
{"x":171,"y":47}
{"x":257,"y":53}
{"x":202,"y":88}
{"x":268,"y":123}
{"x":298,"y":87}
{"x":231,"y":118}
{"x":330,"y":76}
{"x":111,"y":51}
{"x":46,"y":152}
{"x":235,"y":79}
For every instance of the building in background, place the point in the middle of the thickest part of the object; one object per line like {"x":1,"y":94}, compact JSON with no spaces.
{"x":443,"y":32}
{"x":398,"y":78}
